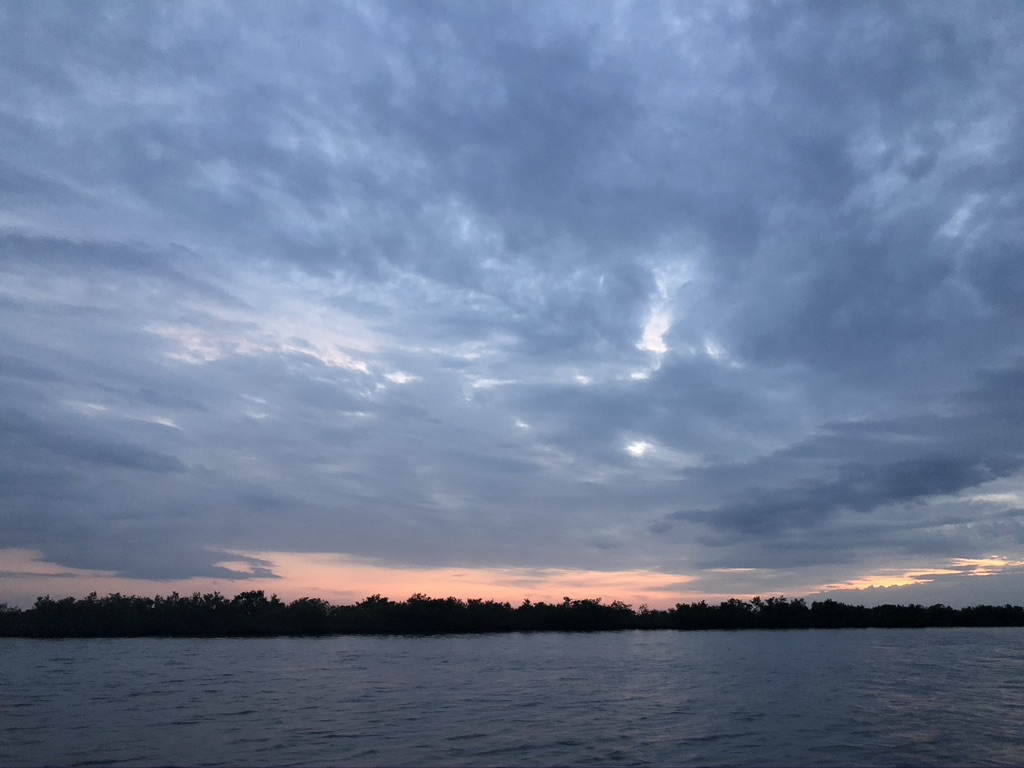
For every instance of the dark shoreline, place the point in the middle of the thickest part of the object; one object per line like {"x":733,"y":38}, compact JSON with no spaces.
{"x":252,"y":614}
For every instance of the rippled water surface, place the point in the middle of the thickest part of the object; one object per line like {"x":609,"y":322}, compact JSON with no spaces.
{"x":846,"y":697}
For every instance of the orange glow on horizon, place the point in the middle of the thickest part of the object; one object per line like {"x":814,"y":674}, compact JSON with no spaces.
{"x":341,"y":579}
{"x":986,"y":566}
{"x":344,"y":580}
{"x":960,"y":566}
{"x":349,"y":579}
{"x":893,"y":579}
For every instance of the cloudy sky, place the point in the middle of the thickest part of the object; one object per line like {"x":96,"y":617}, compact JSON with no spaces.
{"x":651,"y":301}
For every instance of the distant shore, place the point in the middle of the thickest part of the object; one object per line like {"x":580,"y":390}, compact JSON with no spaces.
{"x":253,"y":614}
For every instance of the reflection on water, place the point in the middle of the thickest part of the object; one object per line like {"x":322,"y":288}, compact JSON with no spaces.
{"x":840,"y":697}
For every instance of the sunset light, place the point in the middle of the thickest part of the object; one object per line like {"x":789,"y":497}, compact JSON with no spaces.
{"x":547,"y":382}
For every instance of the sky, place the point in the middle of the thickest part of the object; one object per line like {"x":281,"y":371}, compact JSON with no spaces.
{"x":656,"y":302}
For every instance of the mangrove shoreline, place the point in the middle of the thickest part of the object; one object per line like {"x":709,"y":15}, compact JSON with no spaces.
{"x":253,"y":614}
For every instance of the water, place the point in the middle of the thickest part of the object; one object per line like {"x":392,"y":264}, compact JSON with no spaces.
{"x":839,"y":697}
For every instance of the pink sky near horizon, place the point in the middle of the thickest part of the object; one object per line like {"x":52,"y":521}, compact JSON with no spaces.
{"x":339,"y":579}
{"x":24,"y":575}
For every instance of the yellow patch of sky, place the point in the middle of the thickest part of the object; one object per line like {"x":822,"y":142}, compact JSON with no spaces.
{"x":960,"y":566}
{"x":892,"y":579}
{"x":986,"y":566}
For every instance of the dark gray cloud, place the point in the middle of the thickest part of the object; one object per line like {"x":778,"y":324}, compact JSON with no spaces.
{"x":76,"y":445}
{"x":868,"y":486}
{"x":679,"y":288}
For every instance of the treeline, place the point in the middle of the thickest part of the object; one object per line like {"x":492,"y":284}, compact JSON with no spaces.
{"x":253,"y":614}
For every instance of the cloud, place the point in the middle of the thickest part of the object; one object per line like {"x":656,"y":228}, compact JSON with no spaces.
{"x":677,"y":290}
{"x":24,"y":435}
{"x":991,"y":580}
{"x":866,"y":465}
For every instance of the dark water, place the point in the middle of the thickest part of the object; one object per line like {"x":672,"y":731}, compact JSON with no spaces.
{"x":853,"y":697}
